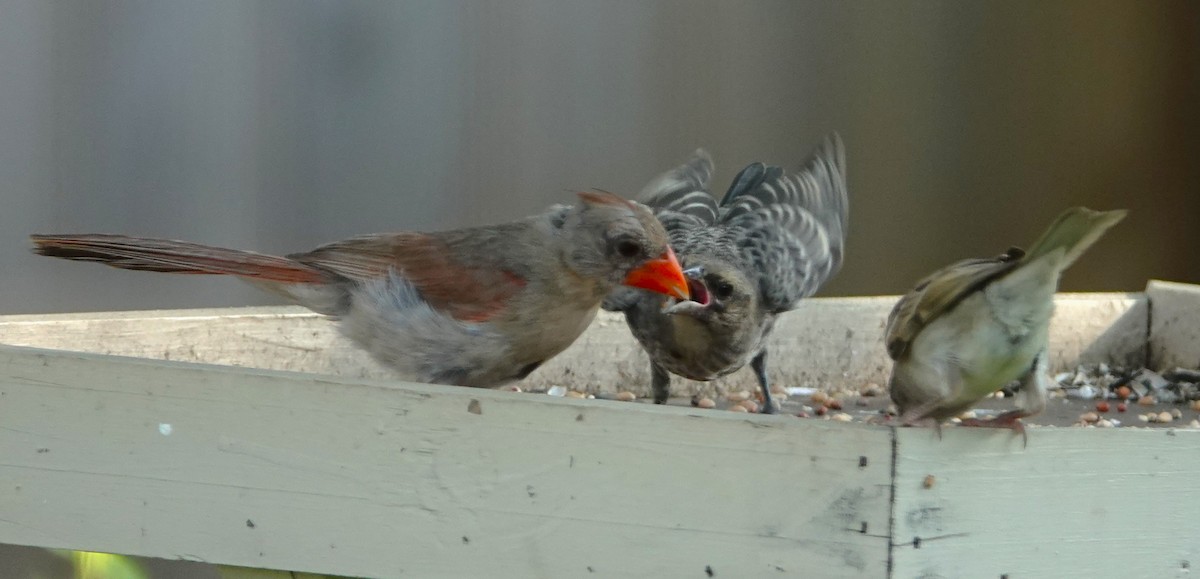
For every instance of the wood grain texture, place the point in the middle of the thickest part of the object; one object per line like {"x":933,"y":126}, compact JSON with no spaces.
{"x":1174,"y":325}
{"x":355,"y":477}
{"x":1075,"y":503}
{"x":826,"y":343}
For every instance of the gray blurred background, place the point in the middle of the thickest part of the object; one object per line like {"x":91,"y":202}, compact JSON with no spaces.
{"x":280,"y":125}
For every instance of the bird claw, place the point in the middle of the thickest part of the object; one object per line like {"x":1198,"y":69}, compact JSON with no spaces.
{"x":1010,"y":420}
{"x":880,"y":420}
{"x":915,"y":419}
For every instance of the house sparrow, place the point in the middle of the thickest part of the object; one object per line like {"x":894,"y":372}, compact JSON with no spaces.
{"x":971,"y":328}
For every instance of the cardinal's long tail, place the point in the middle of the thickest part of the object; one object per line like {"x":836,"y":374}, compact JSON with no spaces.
{"x":165,"y":255}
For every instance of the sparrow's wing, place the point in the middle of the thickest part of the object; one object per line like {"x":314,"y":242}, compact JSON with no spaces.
{"x":426,"y":261}
{"x":938,"y":293}
{"x":680,"y":197}
{"x":791,"y":228}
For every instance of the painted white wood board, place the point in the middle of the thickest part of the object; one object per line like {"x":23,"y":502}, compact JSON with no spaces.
{"x":87,"y":467}
{"x":275,"y":338}
{"x":355,"y":477}
{"x":826,"y":343}
{"x":1075,"y":503}
{"x":1089,"y":328}
{"x":1174,"y":324}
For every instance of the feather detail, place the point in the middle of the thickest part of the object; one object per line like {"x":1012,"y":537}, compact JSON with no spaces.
{"x":939,"y":293}
{"x":466,"y":293}
{"x":599,"y":197}
{"x":680,"y":197}
{"x":791,"y":227}
{"x":166,"y":255}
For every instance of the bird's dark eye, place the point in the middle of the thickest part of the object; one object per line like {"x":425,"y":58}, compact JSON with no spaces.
{"x":722,"y":289}
{"x":629,"y":248}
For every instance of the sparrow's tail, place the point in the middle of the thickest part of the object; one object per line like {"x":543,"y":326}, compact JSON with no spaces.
{"x":1074,"y":232}
{"x":165,"y":255}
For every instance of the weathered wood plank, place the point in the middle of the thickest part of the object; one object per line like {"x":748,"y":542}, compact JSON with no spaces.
{"x":1174,"y":324}
{"x":336,"y":474}
{"x":826,"y":343}
{"x":333,"y":475}
{"x":1076,"y":503}
{"x":273,"y":338}
{"x":1089,"y":328}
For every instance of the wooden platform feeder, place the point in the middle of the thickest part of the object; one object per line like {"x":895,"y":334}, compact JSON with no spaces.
{"x":257,"y":437}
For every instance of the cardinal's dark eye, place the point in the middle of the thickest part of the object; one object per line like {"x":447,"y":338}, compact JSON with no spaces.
{"x":629,"y":248}
{"x":722,"y":289}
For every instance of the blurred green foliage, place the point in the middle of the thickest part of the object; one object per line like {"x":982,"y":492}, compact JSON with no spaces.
{"x":88,"y":565}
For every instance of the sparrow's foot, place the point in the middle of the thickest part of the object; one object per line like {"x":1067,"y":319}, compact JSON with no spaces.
{"x":879,"y":419}
{"x":917,"y":418}
{"x":1010,"y":419}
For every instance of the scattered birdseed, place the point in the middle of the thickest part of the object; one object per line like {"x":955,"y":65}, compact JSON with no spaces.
{"x":738,"y":396}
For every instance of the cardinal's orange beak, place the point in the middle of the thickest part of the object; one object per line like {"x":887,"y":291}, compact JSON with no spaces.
{"x":662,"y":275}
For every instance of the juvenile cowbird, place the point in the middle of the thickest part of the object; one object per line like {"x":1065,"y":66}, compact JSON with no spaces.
{"x":471,"y":307}
{"x":972,"y":327}
{"x":773,"y":239}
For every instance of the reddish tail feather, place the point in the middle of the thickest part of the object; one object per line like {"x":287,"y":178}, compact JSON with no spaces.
{"x":165,"y":255}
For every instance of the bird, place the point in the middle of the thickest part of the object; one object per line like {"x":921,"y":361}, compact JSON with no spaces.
{"x":480,"y":307}
{"x":971,"y":328}
{"x":772,"y":240}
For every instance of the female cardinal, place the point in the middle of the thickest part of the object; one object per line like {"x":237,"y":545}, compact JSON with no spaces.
{"x":772,"y":240}
{"x":470,"y":307}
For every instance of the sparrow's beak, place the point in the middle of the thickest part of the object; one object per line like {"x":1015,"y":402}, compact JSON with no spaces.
{"x":662,"y":275}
